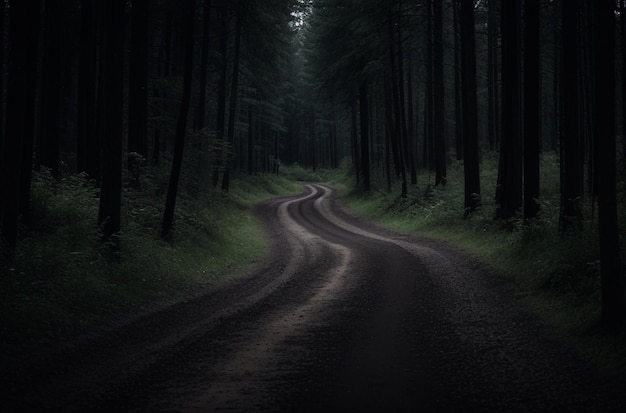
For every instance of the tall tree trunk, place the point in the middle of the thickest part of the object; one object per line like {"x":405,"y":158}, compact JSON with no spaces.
{"x":469,"y":103}
{"x":22,"y":61}
{"x":532,"y":109}
{"x":571,"y":159}
{"x":438,"y":95}
{"x":400,"y":126}
{"x":251,"y":152}
{"x":87,"y":151}
{"x":458,"y":94}
{"x":51,"y":96}
{"x":356,"y":159}
{"x":411,"y":114}
{"x":429,"y":112}
{"x":493,"y":96}
{"x":404,"y":148}
{"x":509,"y":189}
{"x":365,"y":152}
{"x":232,"y":112}
{"x":204,"y":58}
{"x":181,"y":125}
{"x":221,"y":101}
{"x":388,"y":132}
{"x":112,"y":65}
{"x":622,"y":20}
{"x":612,"y":283}
{"x":138,"y":85}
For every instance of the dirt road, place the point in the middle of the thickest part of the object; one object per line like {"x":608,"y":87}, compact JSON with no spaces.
{"x":343,"y":317}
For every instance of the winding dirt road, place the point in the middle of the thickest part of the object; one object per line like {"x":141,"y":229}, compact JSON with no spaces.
{"x":345,"y":316}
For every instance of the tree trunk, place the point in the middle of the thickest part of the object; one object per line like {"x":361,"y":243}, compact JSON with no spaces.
{"x":23,"y":50}
{"x":411,"y":113}
{"x":571,"y":159}
{"x":458,"y":94}
{"x":204,"y":58}
{"x":221,"y":101}
{"x":138,"y":85}
{"x":181,"y":126}
{"x":356,"y":159}
{"x":612,"y":284}
{"x":112,"y":69}
{"x":532,"y":109}
{"x":469,"y":102}
{"x":365,"y":152}
{"x":493,"y":111}
{"x":251,"y":152}
{"x":48,"y":152}
{"x":400,"y":125}
{"x":438,"y":95}
{"x":87,"y":151}
{"x":509,"y":189}
{"x":232,"y":112}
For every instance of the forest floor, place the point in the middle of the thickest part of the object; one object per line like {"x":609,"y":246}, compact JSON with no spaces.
{"x":344,"y":316}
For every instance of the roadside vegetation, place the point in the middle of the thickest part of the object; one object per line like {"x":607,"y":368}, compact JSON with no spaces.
{"x":557,"y":274}
{"x":64,"y":281}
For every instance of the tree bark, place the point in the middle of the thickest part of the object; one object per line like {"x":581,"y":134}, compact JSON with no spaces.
{"x":365,"y":152}
{"x":138,"y":84}
{"x":181,"y":126}
{"x":532,"y":109}
{"x":438,"y":95}
{"x":469,"y":103}
{"x":112,"y":66}
{"x":87,"y":151}
{"x":612,"y":284}
{"x":48,"y":152}
{"x":22,"y":61}
{"x":509,"y":189}
{"x":204,"y":58}
{"x":493,"y":96}
{"x":571,"y":159}
{"x":232,"y":112}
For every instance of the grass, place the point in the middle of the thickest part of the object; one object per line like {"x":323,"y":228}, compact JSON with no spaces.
{"x":557,"y":275}
{"x":65,"y":281}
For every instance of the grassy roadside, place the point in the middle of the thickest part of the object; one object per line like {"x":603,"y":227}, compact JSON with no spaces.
{"x":65,"y":282}
{"x":557,"y":276}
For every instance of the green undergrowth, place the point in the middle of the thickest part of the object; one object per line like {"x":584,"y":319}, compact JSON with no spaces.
{"x":65,"y":281}
{"x":557,"y":276}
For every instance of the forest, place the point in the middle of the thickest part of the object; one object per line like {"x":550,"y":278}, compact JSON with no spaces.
{"x":137,"y":135}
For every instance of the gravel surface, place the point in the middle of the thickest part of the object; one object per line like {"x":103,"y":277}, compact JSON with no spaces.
{"x":344,"y":316}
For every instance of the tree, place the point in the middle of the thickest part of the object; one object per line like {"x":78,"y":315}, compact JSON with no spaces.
{"x":365,"y":146}
{"x":181,"y":125}
{"x":51,"y":95}
{"x":87,"y":149}
{"x":532,"y":109}
{"x":438,"y":96}
{"x":138,"y":84}
{"x":112,"y":69}
{"x":509,"y":189}
{"x":571,"y":156}
{"x":470,"y":115}
{"x":232,"y":112}
{"x":204,"y":58}
{"x":23,"y":48}
{"x":493,"y":112}
{"x":612,"y":284}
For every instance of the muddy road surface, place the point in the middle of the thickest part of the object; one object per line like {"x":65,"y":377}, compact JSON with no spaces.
{"x":344,"y":317}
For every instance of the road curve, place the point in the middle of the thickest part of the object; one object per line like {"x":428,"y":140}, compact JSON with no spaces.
{"x":344,"y":316}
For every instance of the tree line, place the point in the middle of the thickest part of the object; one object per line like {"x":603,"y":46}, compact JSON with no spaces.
{"x":106,"y":88}
{"x":427,"y":81}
